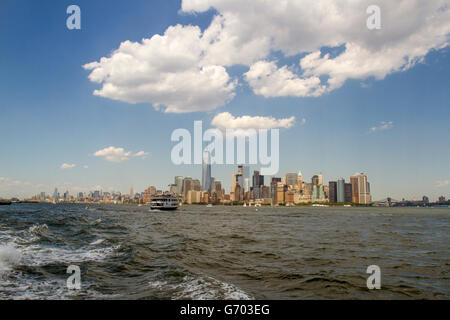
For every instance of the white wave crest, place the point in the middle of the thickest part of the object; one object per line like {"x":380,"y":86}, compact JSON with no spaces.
{"x":96,"y":242}
{"x":208,"y":288}
{"x":38,"y":229}
{"x":9,"y":257}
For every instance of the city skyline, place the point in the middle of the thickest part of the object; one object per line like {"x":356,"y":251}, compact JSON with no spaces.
{"x":319,"y":191}
{"x":387,"y":116}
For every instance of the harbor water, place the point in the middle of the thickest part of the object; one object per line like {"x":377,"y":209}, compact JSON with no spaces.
{"x":223,"y":252}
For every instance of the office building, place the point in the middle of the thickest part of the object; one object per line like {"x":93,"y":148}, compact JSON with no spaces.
{"x":291,"y":179}
{"x":300,"y":181}
{"x":341,"y":190}
{"x":348,"y":192}
{"x":332,"y":192}
{"x":187,"y":186}
{"x":315,"y":180}
{"x":179,"y":183}
{"x":360,"y":189}
{"x":206,"y":171}
{"x":258,"y":179}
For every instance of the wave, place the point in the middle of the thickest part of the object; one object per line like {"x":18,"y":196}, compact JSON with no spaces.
{"x":96,"y":242}
{"x":97,"y":222}
{"x":38,"y":256}
{"x":208,"y":288}
{"x":9,"y":257}
{"x":38,"y":229}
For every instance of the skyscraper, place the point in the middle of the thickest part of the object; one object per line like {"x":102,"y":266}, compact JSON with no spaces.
{"x":300,"y":181}
{"x":238,"y":193}
{"x":318,"y":193}
{"x":273,"y":187}
{"x":291,"y":179}
{"x":360,"y":189}
{"x":280,"y":190}
{"x":246,"y":185}
{"x":315,"y":180}
{"x":341,"y":190}
{"x":320,"y":176}
{"x":243,"y":173}
{"x":187,"y":186}
{"x":348,"y":193}
{"x":258,"y":180}
{"x":179,"y":184}
{"x":206,"y":171}
{"x":196,"y":185}
{"x":246,"y":172}
{"x":217,"y":189}
{"x":332,"y":189}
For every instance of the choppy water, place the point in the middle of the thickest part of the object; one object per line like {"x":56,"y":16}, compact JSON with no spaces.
{"x":127,"y":252}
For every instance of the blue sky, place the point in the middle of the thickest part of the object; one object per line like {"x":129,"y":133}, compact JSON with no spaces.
{"x":50,"y":115}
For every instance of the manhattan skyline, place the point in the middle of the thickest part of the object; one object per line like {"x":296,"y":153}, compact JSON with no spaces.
{"x":61,"y":128}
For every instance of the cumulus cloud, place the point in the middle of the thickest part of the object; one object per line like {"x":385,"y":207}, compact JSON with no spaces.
{"x":184,"y":69}
{"x":269,"y":81}
{"x":113,"y":154}
{"x":166,"y":70}
{"x":384,"y":125}
{"x":66,"y":166}
{"x":410,"y":29}
{"x":442,"y":183}
{"x":226,"y":120}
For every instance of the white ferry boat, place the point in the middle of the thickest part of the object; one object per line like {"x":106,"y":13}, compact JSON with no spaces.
{"x":164,"y":202}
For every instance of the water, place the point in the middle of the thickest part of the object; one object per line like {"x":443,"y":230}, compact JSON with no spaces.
{"x":127,"y":252}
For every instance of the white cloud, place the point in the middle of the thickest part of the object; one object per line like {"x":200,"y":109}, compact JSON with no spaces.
{"x":167,"y":71}
{"x":384,"y":125}
{"x":442,"y":183}
{"x":141,"y":154}
{"x":66,"y":166}
{"x":226,"y":120}
{"x":86,"y":167}
{"x":113,"y":154}
{"x":183,"y":70}
{"x":269,"y":81}
{"x":303,"y":122}
{"x":247,"y":32}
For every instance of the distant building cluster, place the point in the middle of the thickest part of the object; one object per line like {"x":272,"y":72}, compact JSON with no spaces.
{"x":90,"y":197}
{"x":290,"y":190}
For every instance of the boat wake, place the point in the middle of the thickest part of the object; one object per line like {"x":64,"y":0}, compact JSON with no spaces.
{"x":9,"y":257}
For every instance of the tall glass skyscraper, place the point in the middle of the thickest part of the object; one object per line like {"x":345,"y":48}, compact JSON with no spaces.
{"x":179,"y":184}
{"x":341,"y":190}
{"x":206,"y":171}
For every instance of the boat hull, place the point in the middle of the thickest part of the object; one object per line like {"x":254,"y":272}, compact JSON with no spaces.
{"x":164,"y":208}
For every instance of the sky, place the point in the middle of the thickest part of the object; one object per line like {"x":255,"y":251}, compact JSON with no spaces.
{"x":95,"y":108}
